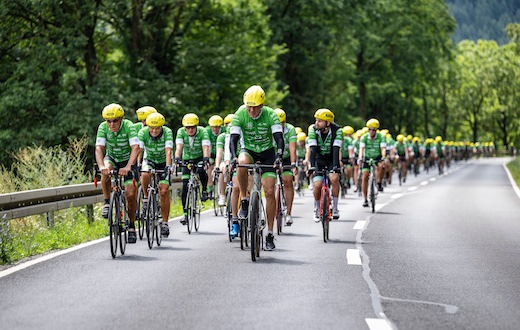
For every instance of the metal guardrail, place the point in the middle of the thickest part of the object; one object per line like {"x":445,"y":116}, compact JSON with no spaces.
{"x":31,"y":202}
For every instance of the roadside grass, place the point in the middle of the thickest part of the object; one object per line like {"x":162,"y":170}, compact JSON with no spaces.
{"x":514,"y":168}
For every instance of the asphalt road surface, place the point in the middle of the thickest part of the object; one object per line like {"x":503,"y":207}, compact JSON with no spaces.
{"x":441,"y":252}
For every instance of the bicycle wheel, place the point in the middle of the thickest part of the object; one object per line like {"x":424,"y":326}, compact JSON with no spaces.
{"x":148,"y":215}
{"x":157,"y":220}
{"x":229,"y":214}
{"x":254,"y":219}
{"x":113,"y":216}
{"x":279,"y":211}
{"x":372,"y":187}
{"x":139,"y":221}
{"x":360,"y":180}
{"x":123,"y":224}
{"x":400,"y":175}
{"x":324,"y":213}
{"x":216,"y":189}
{"x":189,"y":208}
{"x":196,"y":210}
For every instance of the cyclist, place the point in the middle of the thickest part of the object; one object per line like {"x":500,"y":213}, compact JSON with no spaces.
{"x":117,"y":137}
{"x":142,"y":114}
{"x":440,"y":153}
{"x":372,"y":146}
{"x":355,"y":144}
{"x":259,"y":128}
{"x":347,"y":152}
{"x":156,"y":140}
{"x":300,"y":154}
{"x":325,"y":141}
{"x":390,"y":157}
{"x":220,"y":161}
{"x":401,"y":149}
{"x":193,"y":144}
{"x":288,"y":158}
{"x":214,"y":129}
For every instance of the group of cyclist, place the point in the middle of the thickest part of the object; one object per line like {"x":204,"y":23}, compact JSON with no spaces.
{"x":255,"y":133}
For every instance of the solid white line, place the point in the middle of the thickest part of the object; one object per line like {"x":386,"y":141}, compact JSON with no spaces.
{"x":353,"y":257}
{"x":412,"y":188}
{"x":378,"y":324}
{"x":48,"y":257}
{"x":360,"y":224}
{"x":513,"y":183}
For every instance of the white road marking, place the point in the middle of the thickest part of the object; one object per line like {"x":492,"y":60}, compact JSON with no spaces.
{"x":412,"y":188}
{"x":360,"y":224}
{"x":396,"y":196}
{"x":424,"y":183}
{"x":432,"y":179}
{"x":378,"y":324}
{"x":353,"y":257}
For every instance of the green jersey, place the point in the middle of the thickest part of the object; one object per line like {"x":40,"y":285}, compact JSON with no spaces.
{"x":118,"y":144}
{"x":221,"y":141}
{"x":256,"y":134}
{"x":400,"y":148}
{"x":213,"y":138}
{"x":333,"y":138}
{"x":156,"y":147}
{"x":346,"y":146}
{"x":289,"y":135}
{"x":138,"y":126}
{"x":300,"y":151}
{"x":372,"y":146}
{"x":192,"y":146}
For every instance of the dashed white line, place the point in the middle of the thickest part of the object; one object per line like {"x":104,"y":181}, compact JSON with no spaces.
{"x":360,"y":224}
{"x":433,"y":179}
{"x":396,"y":196}
{"x":412,"y":188}
{"x":378,"y":324}
{"x":424,"y":183}
{"x":353,"y":257}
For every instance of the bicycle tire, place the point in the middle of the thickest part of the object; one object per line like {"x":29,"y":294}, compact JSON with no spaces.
{"x":149,"y":220}
{"x":372,"y":191}
{"x":189,"y":208}
{"x":254,"y":218}
{"x":278,"y":195}
{"x":196,"y":210}
{"x":157,"y":220}
{"x":112,"y":224}
{"x":138,"y":213}
{"x":324,"y":213}
{"x":400,"y":175}
{"x":124,"y":221}
{"x":229,"y":214}
{"x":216,"y":189}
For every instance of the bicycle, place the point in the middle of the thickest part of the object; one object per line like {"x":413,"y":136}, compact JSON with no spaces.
{"x":281,"y":203}
{"x":152,"y":214}
{"x":118,"y":220}
{"x":325,"y":204}
{"x":139,"y":219}
{"x":301,"y":178}
{"x":256,"y":210}
{"x":193,"y":202}
{"x":372,"y":190}
{"x":216,"y":190}
{"x":343,"y":182}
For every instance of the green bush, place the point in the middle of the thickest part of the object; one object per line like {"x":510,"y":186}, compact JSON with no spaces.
{"x":514,"y":168}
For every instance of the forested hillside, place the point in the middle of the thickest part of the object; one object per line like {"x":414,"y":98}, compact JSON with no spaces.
{"x":61,"y":62}
{"x":483,"y":19}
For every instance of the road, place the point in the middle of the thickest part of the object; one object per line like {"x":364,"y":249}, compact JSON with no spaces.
{"x":441,"y":252}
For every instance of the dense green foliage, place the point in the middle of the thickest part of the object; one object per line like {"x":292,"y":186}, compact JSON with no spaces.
{"x":483,"y":19}
{"x":514,"y":168}
{"x":61,"y":62}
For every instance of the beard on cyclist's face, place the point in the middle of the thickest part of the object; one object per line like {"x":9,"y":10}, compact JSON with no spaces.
{"x":254,"y":111}
{"x":321,"y":125}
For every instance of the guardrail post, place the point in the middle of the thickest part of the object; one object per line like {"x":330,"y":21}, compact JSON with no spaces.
{"x":90,"y":213}
{"x":50,"y":220}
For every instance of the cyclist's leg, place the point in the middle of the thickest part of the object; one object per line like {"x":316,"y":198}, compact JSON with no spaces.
{"x":203,"y":175}
{"x":317,"y":181}
{"x":243,"y":181}
{"x":364,"y":183}
{"x":184,"y":192}
{"x":334,"y":182}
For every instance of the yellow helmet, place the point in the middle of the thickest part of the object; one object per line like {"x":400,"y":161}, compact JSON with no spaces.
{"x":113,"y":111}
{"x":416,"y":139}
{"x":281,"y":114}
{"x":144,"y":112}
{"x":409,"y":137}
{"x":190,"y":119}
{"x":298,"y":130}
{"x":347,"y":130}
{"x":373,"y":123}
{"x":155,"y":120}
{"x":324,"y":114}
{"x":438,"y":138}
{"x":254,"y":96}
{"x":228,"y":119}
{"x":215,"y":120}
{"x":301,"y":136}
{"x":400,"y":138}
